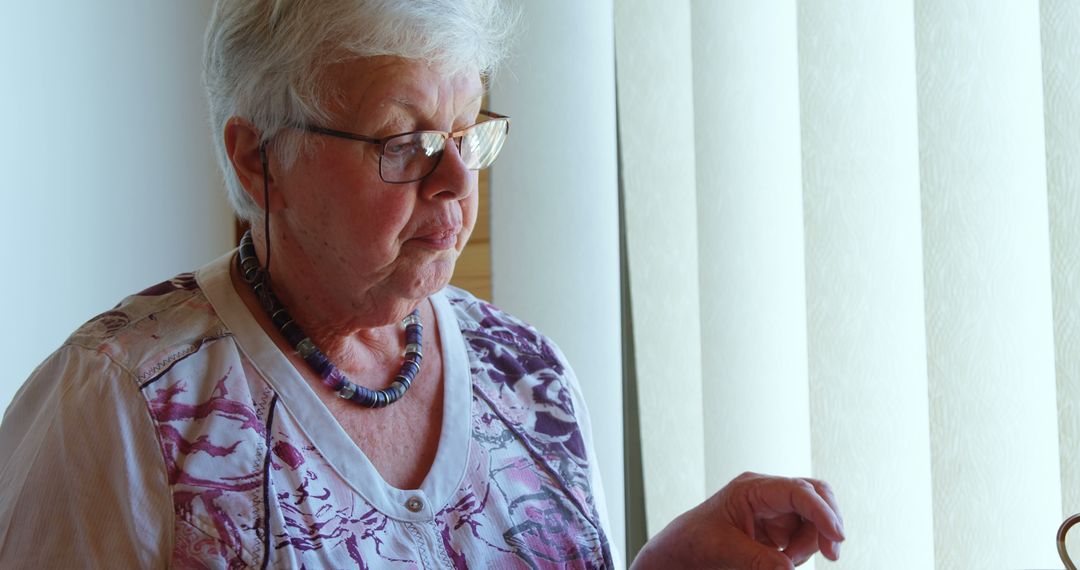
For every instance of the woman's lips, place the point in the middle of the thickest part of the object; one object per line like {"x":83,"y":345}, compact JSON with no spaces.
{"x":439,"y":239}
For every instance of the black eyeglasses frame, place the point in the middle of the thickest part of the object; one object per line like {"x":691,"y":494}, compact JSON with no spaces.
{"x":456,"y":135}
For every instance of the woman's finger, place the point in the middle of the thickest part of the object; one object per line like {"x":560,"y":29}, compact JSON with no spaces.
{"x":825,"y":491}
{"x":778,"y":531}
{"x":804,"y":543}
{"x":804,"y":500}
{"x":740,"y":551}
{"x":774,"y":496}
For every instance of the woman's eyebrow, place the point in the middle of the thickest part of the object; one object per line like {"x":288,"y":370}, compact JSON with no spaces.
{"x":404,"y":102}
{"x":408,"y":104}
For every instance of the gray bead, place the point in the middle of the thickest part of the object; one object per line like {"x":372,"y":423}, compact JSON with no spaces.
{"x":306,"y":348}
{"x":347,"y":391}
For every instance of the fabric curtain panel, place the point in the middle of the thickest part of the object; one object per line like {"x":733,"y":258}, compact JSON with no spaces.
{"x":852,"y":251}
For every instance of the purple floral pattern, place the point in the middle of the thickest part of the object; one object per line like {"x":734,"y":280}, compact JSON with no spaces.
{"x":520,"y":379}
{"x":250,"y":489}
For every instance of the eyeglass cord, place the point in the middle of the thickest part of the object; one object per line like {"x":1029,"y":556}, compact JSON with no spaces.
{"x":266,"y":218}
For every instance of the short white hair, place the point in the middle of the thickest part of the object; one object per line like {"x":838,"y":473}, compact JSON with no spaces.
{"x":264,"y":58}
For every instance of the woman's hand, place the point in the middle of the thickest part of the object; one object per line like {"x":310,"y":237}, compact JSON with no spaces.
{"x":755,"y":522}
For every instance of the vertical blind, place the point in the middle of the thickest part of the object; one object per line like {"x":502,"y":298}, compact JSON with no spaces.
{"x":853,"y":251}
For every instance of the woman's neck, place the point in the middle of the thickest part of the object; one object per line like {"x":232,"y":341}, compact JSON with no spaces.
{"x":357,"y":337}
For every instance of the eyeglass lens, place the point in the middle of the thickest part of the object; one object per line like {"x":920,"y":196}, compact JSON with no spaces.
{"x":412,"y":156}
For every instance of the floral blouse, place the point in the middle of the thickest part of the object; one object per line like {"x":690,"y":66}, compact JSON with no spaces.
{"x":171,"y":432}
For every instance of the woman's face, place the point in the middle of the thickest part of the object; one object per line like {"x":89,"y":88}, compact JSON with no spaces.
{"x":359,"y":240}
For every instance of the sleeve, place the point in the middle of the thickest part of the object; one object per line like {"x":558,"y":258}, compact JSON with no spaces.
{"x":82,"y":479}
{"x":582,"y":413}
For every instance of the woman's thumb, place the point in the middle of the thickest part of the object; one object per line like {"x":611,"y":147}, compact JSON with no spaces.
{"x":743,"y":553}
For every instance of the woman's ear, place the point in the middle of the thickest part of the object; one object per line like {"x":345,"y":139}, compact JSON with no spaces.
{"x":246,"y":152}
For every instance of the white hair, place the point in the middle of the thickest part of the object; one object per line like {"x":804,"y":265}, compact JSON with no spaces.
{"x":264,"y":58}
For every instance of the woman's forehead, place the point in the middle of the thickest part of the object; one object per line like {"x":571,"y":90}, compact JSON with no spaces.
{"x":370,"y":85}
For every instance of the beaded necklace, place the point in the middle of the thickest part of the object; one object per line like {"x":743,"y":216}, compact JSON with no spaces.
{"x":331,"y":376}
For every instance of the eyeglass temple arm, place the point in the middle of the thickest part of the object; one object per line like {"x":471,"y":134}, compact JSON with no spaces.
{"x":493,"y":114}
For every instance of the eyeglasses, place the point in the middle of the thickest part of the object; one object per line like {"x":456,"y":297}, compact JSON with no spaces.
{"x":408,"y":157}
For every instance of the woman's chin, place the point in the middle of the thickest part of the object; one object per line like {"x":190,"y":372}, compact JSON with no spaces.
{"x":429,"y":279}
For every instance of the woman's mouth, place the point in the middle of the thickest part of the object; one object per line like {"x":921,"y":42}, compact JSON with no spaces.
{"x":439,"y":240}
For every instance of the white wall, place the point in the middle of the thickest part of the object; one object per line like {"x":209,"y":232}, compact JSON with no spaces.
{"x":108,"y":184}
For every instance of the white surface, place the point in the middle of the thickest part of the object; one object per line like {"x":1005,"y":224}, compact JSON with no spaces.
{"x":993,"y":408}
{"x":555,"y":240}
{"x":750,"y":227}
{"x":656,"y":111}
{"x":1061,"y":81}
{"x":864,"y":279}
{"x":109,"y":184}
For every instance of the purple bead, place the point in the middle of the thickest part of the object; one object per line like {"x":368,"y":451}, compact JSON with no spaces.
{"x":363,"y":396}
{"x":335,"y":380}
{"x":412,"y":319}
{"x":280,"y":318}
{"x":321,"y":364}
{"x":292,"y":333}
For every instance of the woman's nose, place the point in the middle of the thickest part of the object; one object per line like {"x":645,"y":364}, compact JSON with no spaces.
{"x":451,"y":179}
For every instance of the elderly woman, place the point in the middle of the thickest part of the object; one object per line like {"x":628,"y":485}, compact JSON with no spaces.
{"x":320,"y":397}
